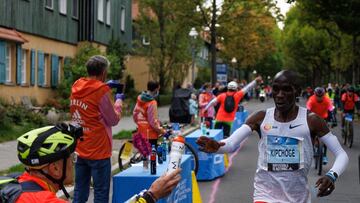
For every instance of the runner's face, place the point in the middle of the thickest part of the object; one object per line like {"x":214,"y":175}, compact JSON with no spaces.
{"x":284,"y":94}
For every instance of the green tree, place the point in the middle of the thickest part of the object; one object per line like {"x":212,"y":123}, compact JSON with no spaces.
{"x":166,"y":24}
{"x":346,"y":15}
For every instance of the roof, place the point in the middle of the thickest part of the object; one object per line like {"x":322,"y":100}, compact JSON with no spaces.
{"x":11,"y":35}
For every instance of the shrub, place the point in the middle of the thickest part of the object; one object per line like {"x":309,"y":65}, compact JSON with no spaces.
{"x":124,"y":134}
{"x":164,"y":100}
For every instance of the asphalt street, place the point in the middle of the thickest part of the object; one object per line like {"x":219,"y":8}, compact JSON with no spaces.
{"x":237,"y":184}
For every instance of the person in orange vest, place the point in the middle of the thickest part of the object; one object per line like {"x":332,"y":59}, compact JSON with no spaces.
{"x":229,"y":102}
{"x":145,"y":113}
{"x":92,"y":107}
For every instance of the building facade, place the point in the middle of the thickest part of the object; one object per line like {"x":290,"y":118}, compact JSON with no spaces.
{"x":38,"y":37}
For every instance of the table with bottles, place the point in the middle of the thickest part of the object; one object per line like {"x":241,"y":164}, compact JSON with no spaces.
{"x":211,"y":166}
{"x":135,"y":179}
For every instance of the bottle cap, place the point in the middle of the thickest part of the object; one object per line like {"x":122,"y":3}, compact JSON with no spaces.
{"x":179,"y":139}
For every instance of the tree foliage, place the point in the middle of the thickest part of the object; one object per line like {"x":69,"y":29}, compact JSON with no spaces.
{"x":166,"y":24}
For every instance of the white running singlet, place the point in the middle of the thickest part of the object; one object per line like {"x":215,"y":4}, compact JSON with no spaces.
{"x":285,"y":155}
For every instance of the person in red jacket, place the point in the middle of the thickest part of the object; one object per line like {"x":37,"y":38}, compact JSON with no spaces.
{"x":145,"y":114}
{"x":225,"y":117}
{"x":92,"y":107}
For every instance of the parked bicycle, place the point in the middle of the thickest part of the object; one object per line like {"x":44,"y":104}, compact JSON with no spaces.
{"x":129,"y":155}
{"x":348,"y":131}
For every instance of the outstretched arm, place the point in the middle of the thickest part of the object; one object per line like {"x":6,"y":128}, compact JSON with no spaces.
{"x":213,"y":102}
{"x":231,"y":143}
{"x":251,"y":85}
{"x":318,"y":127}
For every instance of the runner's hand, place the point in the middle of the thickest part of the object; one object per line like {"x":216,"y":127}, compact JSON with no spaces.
{"x":258,"y":79}
{"x":163,"y":186}
{"x":325,"y":185}
{"x":208,"y":145}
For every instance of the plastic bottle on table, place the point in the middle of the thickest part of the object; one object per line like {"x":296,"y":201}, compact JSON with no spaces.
{"x":177,"y":150}
{"x":153,"y":161}
{"x":164,"y":148}
{"x":145,"y":160}
{"x":159,"y":154}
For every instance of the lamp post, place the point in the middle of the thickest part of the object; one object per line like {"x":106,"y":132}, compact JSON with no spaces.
{"x":234,"y":61}
{"x":193,"y":34}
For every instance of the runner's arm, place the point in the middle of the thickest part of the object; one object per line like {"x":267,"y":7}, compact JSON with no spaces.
{"x":249,"y":86}
{"x":213,"y":102}
{"x":233,"y":141}
{"x":341,"y":158}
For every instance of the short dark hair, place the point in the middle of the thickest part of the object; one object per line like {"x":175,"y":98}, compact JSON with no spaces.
{"x":96,"y":65}
{"x":292,"y":77}
{"x":152,"y":85}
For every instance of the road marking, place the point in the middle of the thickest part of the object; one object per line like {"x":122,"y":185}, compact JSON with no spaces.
{"x":215,"y":186}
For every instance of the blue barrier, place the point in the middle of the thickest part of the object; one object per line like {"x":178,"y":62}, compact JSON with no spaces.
{"x":240,"y":118}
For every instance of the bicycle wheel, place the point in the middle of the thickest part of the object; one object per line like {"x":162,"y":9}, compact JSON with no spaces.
{"x":195,"y":159}
{"x":350,"y":134}
{"x":320,"y":158}
{"x":344,"y":134}
{"x":128,"y":155}
{"x":316,"y":155}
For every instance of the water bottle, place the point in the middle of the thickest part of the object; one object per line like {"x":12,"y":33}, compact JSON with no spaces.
{"x":203,"y":128}
{"x":167,"y":146}
{"x":153,"y":161}
{"x":164,"y":148}
{"x":159,"y":154}
{"x":177,"y":150}
{"x":145,"y":160}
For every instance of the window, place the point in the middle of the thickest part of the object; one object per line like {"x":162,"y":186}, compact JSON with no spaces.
{"x":62,"y":6}
{"x":101,"y":10}
{"x":122,"y":21}
{"x":49,"y":4}
{"x":108,"y":12}
{"x":23,"y":66}
{"x":75,"y":8}
{"x":32,"y":67}
{"x":8,"y":63}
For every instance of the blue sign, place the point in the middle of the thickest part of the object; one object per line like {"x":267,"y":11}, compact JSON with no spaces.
{"x":221,"y":72}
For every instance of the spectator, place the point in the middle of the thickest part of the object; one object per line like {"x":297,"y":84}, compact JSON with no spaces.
{"x":193,"y":109}
{"x":145,"y":113}
{"x":204,"y":98}
{"x":92,"y":107}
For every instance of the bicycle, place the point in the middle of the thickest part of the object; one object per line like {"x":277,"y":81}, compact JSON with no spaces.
{"x":129,"y":155}
{"x":348,"y":131}
{"x":318,"y":148}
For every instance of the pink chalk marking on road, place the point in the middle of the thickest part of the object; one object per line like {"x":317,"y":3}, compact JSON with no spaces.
{"x":215,"y":186}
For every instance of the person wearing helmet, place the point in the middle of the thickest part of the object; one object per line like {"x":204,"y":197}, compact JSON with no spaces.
{"x":320,"y":104}
{"x":92,"y":106}
{"x":349,"y":100}
{"x":228,"y":105}
{"x":48,"y":154}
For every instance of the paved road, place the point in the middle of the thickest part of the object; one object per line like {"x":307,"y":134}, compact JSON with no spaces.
{"x":237,"y":184}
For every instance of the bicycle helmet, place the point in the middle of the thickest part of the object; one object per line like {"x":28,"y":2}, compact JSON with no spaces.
{"x":232,"y":85}
{"x":47,"y":145}
{"x":319,"y":91}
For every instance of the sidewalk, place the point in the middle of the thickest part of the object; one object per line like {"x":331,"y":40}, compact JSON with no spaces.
{"x":8,"y":150}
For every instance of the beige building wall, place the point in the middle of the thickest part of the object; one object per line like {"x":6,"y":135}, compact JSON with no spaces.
{"x":138,"y":68}
{"x":13,"y":92}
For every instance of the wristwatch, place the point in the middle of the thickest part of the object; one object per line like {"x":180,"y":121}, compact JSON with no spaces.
{"x":332,"y":175}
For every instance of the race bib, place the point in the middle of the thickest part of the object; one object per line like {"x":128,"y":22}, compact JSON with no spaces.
{"x":284,"y":153}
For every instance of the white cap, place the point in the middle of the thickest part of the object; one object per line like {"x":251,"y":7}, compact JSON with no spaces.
{"x":232,"y":85}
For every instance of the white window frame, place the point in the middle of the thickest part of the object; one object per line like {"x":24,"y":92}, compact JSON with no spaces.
{"x":52,"y":5}
{"x":108,"y":12}
{"x":100,"y":10}
{"x":122,"y":19}
{"x":63,"y":6}
{"x":23,"y":66}
{"x":8,"y":63}
{"x":145,"y":41}
{"x":75,"y":2}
